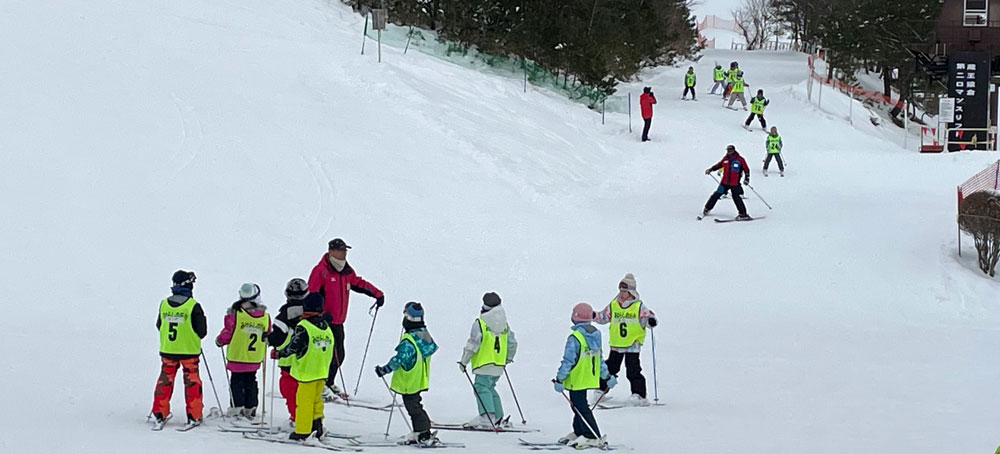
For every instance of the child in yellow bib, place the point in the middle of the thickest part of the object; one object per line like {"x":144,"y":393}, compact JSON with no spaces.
{"x":580,"y":370}
{"x":411,"y":372}
{"x":311,"y":349}
{"x":491,"y":346}
{"x":244,"y":332}
{"x":628,"y":318}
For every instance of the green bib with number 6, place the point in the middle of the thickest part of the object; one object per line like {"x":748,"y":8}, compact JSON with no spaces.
{"x":492,"y":350}
{"x":625,"y":328}
{"x":177,"y":336}
{"x":247,"y":344}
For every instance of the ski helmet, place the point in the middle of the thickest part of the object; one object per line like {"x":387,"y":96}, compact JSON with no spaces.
{"x":296,"y":289}
{"x":183,"y":278}
{"x":582,"y":312}
{"x":739,"y":73}
{"x":250,"y":292}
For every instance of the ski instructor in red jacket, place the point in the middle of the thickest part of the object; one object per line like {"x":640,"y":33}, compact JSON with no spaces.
{"x":332,"y":278}
{"x":733,"y":166}
{"x":646,"y":101}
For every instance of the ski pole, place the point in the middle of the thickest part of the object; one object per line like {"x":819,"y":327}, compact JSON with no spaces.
{"x":367,"y":344}
{"x":759,"y":197}
{"x":209,"y":370}
{"x":229,"y":383}
{"x":393,"y":409}
{"x":578,"y":413}
{"x":263,"y":391}
{"x":656,"y":395}
{"x":274,"y":369}
{"x":599,"y":399}
{"x":480,"y":400}
{"x":523,"y":421}
{"x":336,"y":358}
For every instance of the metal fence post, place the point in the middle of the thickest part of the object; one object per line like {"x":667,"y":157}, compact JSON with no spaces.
{"x":630,"y":112}
{"x":364,"y":34}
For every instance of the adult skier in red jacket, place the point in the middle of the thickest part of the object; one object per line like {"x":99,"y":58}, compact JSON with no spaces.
{"x":733,"y":166}
{"x":333,"y":278}
{"x":646,"y":101}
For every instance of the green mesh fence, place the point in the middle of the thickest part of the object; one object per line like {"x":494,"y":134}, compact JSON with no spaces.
{"x":427,"y":42}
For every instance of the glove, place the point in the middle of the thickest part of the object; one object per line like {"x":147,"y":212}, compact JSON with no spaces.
{"x":274,"y":353}
{"x":218,"y":343}
{"x":558,"y":386}
{"x":461,"y":367}
{"x":746,"y":181}
{"x":381,"y":371}
{"x":708,"y":171}
{"x":652,"y":322}
{"x":612,"y":381}
{"x":379,"y":301}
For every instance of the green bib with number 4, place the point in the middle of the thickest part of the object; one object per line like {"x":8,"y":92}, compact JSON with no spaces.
{"x":177,"y":336}
{"x":625,"y":327}
{"x":247,"y":344}
{"x":492,"y":350}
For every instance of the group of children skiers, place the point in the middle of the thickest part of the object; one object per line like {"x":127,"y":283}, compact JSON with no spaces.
{"x":732,"y":165}
{"x":303,"y":343}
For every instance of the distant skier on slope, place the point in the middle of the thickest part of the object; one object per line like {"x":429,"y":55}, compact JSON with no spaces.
{"x":646,"y":101}
{"x":733,"y":166}
{"x":773,"y":145}
{"x":757,"y":104}
{"x":582,"y":369}
{"x":739,"y":86}
{"x":734,"y":67}
{"x":629,"y":317}
{"x":491,"y":346}
{"x":690,"y":78}
{"x":719,"y":77}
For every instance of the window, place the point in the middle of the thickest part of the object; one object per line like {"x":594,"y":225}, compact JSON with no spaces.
{"x":976,"y":13}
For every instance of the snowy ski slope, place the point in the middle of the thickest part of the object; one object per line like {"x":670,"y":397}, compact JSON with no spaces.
{"x":235,"y":138}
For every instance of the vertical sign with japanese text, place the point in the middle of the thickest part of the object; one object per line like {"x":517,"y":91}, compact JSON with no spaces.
{"x":968,"y":84}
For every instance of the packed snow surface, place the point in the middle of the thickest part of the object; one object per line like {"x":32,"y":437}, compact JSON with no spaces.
{"x":235,"y":138}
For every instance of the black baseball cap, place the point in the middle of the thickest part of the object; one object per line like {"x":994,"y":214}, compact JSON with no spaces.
{"x":338,"y":244}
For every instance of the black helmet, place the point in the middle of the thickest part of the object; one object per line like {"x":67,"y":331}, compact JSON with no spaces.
{"x":730,"y":148}
{"x":183,"y":278}
{"x":296,"y":289}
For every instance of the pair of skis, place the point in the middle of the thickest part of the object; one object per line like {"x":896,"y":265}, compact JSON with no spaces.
{"x":724,"y":220}
{"x":555,"y":446}
{"x":159,"y":425}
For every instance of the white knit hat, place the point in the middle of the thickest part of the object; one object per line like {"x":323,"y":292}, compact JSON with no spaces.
{"x":628,"y":283}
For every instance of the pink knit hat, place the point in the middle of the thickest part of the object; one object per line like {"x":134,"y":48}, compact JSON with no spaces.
{"x":582,"y":312}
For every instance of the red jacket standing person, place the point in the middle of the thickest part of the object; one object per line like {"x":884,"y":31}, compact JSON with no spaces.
{"x":332,"y":278}
{"x":733,"y":166}
{"x":646,"y":101}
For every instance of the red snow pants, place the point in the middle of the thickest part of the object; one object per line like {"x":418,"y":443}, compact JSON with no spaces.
{"x":288,"y":387}
{"x":165,"y":386}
